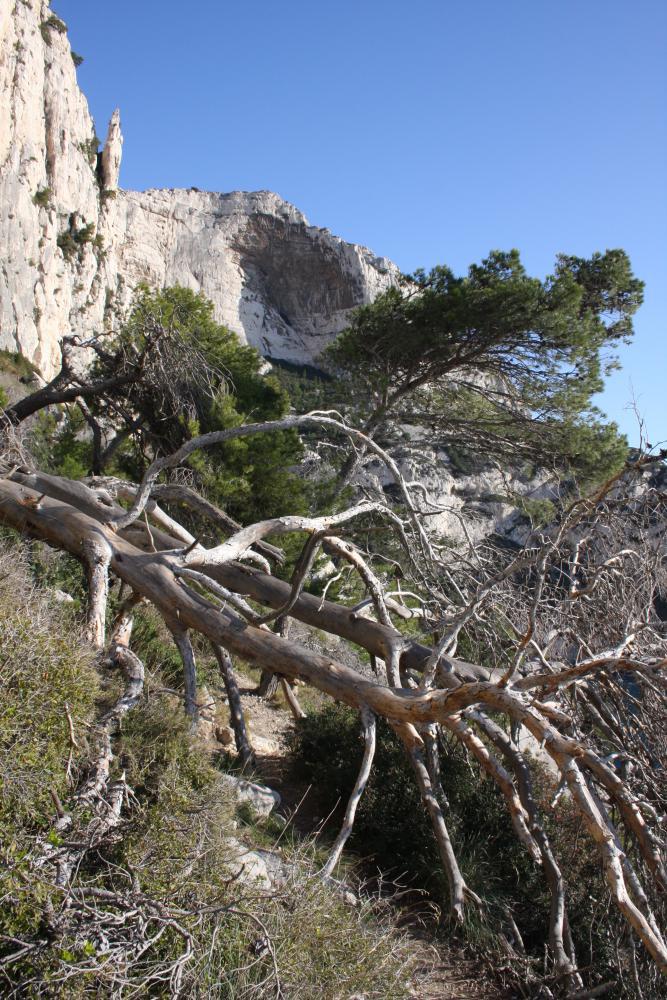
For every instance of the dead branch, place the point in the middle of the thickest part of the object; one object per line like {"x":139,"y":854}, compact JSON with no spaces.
{"x":243,"y":744}
{"x":368,"y":731}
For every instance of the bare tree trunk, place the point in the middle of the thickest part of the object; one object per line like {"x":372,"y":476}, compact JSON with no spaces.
{"x":97,"y":556}
{"x":291,"y":699}
{"x":455,"y":880}
{"x":159,"y":576}
{"x":269,"y":681}
{"x":432,"y":755}
{"x":268,"y":684}
{"x":558,"y":932}
{"x":243,"y":744}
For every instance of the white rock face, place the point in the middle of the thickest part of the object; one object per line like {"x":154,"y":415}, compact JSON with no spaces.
{"x":466,"y":501}
{"x":284,"y":286}
{"x":73,"y":245}
{"x":47,"y":174}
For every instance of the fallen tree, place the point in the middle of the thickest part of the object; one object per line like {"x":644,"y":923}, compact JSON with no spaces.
{"x":606,"y":746}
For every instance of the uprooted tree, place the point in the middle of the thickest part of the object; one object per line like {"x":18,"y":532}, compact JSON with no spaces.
{"x":564,"y":636}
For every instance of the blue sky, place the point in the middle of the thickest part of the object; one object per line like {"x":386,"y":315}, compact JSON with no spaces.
{"x":431,"y":131}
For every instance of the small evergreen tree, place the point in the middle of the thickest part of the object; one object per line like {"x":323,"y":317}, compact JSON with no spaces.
{"x":204,"y":379}
{"x":173,"y":372}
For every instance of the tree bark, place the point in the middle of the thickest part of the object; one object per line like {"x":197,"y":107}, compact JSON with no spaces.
{"x":154,"y":575}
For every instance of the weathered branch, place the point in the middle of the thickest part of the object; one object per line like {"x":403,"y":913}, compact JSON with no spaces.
{"x":368,"y":729}
{"x":98,"y":794}
{"x":243,"y":745}
{"x":184,"y":646}
{"x":97,"y":556}
{"x":458,"y":890}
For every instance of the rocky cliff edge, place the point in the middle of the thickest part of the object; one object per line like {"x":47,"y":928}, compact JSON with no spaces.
{"x":73,"y":245}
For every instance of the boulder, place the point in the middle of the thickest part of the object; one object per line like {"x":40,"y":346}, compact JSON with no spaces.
{"x":260,"y":868}
{"x":258,"y":798}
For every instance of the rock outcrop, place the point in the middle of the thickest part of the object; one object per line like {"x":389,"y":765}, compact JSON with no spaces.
{"x":111,"y":155}
{"x":284,"y":286}
{"x":47,"y":175}
{"x":74,"y":245}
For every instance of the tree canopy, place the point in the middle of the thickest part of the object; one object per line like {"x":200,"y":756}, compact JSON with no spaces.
{"x":497,"y":358}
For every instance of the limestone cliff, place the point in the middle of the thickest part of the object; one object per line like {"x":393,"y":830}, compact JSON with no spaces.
{"x":284,"y":286}
{"x":48,"y":187}
{"x":73,"y":245}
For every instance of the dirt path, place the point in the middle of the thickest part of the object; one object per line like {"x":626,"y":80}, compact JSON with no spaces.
{"x":443,"y":972}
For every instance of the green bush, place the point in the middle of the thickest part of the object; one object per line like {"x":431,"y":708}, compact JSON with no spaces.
{"x":42,"y":197}
{"x":15,"y":364}
{"x":308,"y":387}
{"x":52,"y":23}
{"x":392,"y":830}
{"x":90,"y":149}
{"x":392,"y":833}
{"x":72,"y":240}
{"x":250,"y":477}
{"x":46,"y":674}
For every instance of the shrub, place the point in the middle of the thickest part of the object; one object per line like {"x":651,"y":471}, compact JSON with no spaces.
{"x":52,"y":23}
{"x":90,"y":149}
{"x":250,"y":477}
{"x":393,"y":834}
{"x":392,"y":829}
{"x":61,"y":446}
{"x":42,"y":197}
{"x":72,"y":240}
{"x":46,"y":672}
{"x":14,"y":363}
{"x":178,"y":845}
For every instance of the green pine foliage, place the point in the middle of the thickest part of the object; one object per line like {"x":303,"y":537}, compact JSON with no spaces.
{"x":497,"y":360}
{"x":250,"y":477}
{"x":73,"y":239}
{"x":42,"y":197}
{"x":206,"y":381}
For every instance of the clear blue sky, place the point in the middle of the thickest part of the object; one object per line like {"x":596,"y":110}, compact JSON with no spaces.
{"x":431,"y":131}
